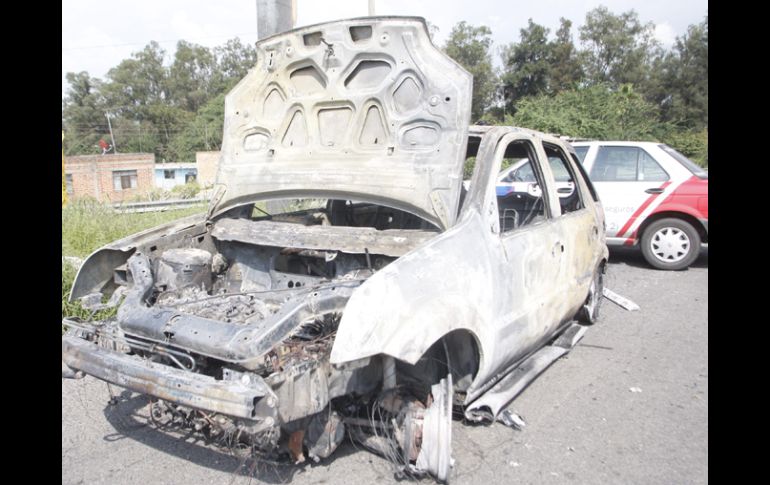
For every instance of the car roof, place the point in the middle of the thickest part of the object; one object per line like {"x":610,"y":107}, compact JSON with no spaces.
{"x":481,"y":130}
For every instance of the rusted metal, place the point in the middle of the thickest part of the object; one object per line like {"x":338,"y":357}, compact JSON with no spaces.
{"x":164,"y":382}
{"x":351,"y":240}
{"x":295,"y":446}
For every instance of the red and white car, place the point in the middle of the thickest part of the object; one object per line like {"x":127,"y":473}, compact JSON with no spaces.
{"x":653,"y":196}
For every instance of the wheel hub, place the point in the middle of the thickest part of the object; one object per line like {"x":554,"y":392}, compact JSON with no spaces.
{"x":670,"y":244}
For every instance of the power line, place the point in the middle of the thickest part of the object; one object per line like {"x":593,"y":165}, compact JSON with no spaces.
{"x":128,"y":44}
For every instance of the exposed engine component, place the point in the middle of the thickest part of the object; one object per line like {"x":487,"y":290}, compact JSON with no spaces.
{"x":233,"y":434}
{"x":225,"y":307}
{"x":180,"y":268}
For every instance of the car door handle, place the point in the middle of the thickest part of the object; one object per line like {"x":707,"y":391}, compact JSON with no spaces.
{"x":654,"y":190}
{"x":564,"y":190}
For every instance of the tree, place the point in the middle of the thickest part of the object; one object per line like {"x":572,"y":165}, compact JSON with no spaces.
{"x":83,"y":111}
{"x":171,"y":110}
{"x":597,"y":111}
{"x":135,"y":136}
{"x":618,"y":49}
{"x":526,"y":64}
{"x":168,"y":121}
{"x":685,"y":83}
{"x":137,"y":83}
{"x":469,"y":46}
{"x":693,"y":144}
{"x":190,"y":76}
{"x":565,"y":64}
{"x":233,"y":61}
{"x":202,"y":133}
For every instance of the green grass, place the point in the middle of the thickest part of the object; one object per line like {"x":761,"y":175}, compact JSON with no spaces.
{"x":87,"y":225}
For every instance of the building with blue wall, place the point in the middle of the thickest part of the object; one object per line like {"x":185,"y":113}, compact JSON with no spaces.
{"x":169,"y":175}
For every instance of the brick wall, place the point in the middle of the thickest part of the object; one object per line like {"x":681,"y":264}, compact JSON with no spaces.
{"x":207,"y":163}
{"x":92,"y":175}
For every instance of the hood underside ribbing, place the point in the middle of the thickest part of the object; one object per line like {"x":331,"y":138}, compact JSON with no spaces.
{"x":366,"y":108}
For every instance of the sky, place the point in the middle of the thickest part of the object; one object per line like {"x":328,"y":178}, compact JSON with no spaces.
{"x":97,"y":35}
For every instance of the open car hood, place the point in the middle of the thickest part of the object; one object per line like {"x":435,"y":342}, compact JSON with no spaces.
{"x":365,"y":108}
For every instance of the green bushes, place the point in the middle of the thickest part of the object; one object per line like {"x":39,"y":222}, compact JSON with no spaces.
{"x":186,"y":191}
{"x":693,"y":144}
{"x":595,"y":112}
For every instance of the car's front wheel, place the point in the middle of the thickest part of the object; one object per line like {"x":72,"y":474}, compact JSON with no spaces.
{"x":670,"y":244}
{"x":589,"y":312}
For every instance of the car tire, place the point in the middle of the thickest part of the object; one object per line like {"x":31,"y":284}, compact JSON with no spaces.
{"x":670,"y":244}
{"x":589,"y":312}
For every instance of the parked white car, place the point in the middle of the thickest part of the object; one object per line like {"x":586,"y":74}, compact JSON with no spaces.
{"x":653,"y":196}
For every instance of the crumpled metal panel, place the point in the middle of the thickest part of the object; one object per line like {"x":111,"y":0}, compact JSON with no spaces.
{"x":97,"y":271}
{"x":232,"y":398}
{"x":365,"y":107}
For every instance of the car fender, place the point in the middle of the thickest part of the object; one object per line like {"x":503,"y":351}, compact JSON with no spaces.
{"x":413,"y":302}
{"x":677,"y":207}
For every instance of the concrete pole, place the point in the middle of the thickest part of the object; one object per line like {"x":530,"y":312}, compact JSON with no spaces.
{"x":371,"y":8}
{"x":274,"y":16}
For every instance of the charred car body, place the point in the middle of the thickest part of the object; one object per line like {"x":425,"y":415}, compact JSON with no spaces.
{"x":400,"y":293}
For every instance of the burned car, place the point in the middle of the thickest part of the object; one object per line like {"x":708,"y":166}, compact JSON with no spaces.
{"x":387,"y":295}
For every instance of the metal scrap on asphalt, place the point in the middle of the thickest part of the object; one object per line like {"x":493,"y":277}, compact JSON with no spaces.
{"x":511,"y":419}
{"x":620,"y":300}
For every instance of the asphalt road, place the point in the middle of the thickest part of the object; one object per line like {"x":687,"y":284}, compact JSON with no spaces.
{"x":584,"y":422}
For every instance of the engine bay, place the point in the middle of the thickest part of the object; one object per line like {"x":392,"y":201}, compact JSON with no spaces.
{"x":245,"y":308}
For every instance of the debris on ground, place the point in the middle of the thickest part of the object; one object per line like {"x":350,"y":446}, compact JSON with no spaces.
{"x":511,"y":419}
{"x":620,"y":300}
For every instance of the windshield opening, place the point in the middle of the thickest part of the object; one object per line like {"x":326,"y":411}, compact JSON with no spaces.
{"x":331,"y":212}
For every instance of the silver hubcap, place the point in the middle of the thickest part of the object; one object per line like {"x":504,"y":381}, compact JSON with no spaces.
{"x":670,"y":244}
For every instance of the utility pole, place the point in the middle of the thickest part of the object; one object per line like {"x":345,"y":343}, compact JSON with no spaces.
{"x":114,"y":146}
{"x":371,"y":8}
{"x":275,"y":16}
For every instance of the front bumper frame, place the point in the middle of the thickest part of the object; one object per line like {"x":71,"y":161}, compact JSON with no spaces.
{"x":254,"y":401}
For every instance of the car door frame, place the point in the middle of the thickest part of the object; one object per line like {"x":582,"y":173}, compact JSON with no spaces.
{"x":525,"y":319}
{"x":581,"y":232}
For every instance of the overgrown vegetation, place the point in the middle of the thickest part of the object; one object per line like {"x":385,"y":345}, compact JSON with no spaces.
{"x":184,"y":191}
{"x":88,"y":225}
{"x":598,"y":112}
